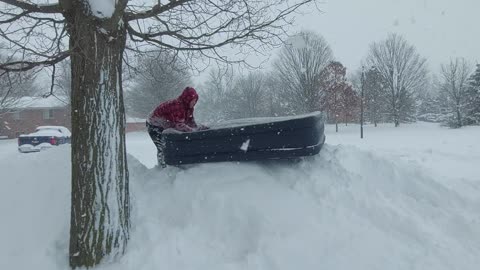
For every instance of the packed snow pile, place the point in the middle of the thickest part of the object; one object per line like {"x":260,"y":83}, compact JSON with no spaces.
{"x":347,"y":208}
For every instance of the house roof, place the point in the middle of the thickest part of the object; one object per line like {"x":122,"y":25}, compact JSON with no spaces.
{"x":54,"y":102}
{"x":39,"y":102}
{"x":135,"y":120}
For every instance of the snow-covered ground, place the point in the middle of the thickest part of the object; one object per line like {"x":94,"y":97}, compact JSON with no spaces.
{"x":402,"y":198}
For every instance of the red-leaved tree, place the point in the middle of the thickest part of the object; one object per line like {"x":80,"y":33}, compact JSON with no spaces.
{"x":338,"y":98}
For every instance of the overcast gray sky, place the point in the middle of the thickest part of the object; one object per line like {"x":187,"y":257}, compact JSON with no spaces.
{"x":440,"y":29}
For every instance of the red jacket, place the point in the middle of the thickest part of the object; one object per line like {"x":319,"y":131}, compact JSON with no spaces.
{"x":176,"y":113}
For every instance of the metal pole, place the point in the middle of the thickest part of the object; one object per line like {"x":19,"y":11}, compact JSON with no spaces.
{"x":361,"y":101}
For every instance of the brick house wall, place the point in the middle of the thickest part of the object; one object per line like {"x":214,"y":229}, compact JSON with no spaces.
{"x":132,"y":127}
{"x":32,"y":112}
{"x":26,"y":120}
{"x":135,"y":124}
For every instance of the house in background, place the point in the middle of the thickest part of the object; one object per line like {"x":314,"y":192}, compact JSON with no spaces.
{"x":31,"y":112}
{"x":135,"y":124}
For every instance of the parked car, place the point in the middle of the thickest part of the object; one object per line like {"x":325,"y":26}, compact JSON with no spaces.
{"x":43,"y":137}
{"x":67,"y":135}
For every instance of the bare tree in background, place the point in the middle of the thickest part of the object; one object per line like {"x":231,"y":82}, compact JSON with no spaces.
{"x":273,"y":100}
{"x":214,"y":96}
{"x":226,"y":96}
{"x":160,"y":77}
{"x":403,"y":70}
{"x":299,"y":67}
{"x":455,"y":85}
{"x":63,"y":81}
{"x":94,"y":38}
{"x":14,"y":86}
{"x":249,"y":96}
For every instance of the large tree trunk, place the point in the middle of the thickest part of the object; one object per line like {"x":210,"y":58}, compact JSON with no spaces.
{"x":100,"y":192}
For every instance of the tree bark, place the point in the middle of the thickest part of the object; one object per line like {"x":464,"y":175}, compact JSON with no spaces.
{"x":396,"y":117}
{"x":100,"y":210}
{"x":459,"y":116}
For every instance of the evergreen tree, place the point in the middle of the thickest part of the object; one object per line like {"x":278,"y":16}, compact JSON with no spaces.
{"x":472,"y":114}
{"x":455,"y":77}
{"x":430,"y":107}
{"x":375,"y":98}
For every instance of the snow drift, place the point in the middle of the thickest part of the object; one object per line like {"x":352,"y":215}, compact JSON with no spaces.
{"x":344,"y":209}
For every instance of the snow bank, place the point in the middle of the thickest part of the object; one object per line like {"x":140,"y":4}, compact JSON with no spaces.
{"x":450,"y":156}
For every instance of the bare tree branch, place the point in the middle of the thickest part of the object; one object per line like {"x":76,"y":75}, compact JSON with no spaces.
{"x":155,"y":10}
{"x":28,"y":65}
{"x":299,"y":68}
{"x":205,"y":25}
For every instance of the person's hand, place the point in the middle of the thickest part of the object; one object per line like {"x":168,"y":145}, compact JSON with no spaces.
{"x":202,"y":127}
{"x":183,"y":128}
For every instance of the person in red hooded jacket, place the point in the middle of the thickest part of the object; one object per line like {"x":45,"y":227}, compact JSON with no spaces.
{"x":176,"y":114}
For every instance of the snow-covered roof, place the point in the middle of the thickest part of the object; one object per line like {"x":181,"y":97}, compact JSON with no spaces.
{"x":45,"y":132}
{"x":61,"y":129}
{"x":39,"y":102}
{"x":135,"y":120}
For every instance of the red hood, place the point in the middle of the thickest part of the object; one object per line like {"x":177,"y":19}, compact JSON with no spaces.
{"x":188,"y":95}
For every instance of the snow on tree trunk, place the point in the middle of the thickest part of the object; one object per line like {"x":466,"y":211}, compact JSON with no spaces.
{"x":459,"y":115}
{"x":100,"y":190}
{"x":395,"y":110}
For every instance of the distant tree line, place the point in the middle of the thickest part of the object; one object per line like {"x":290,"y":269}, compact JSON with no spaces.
{"x":305,"y":77}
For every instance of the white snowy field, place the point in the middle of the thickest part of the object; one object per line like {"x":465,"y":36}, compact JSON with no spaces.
{"x":402,"y":198}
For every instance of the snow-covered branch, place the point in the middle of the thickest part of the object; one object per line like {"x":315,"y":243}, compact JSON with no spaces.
{"x":30,"y":7}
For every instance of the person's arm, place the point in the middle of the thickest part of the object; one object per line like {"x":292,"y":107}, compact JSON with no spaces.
{"x":193,"y":124}
{"x":190,"y":120}
{"x":179,"y":123}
